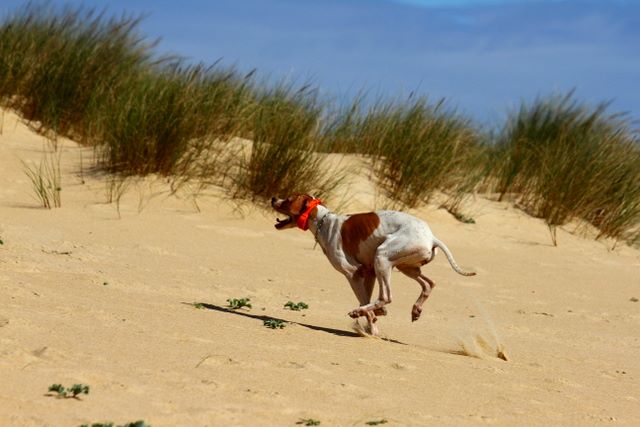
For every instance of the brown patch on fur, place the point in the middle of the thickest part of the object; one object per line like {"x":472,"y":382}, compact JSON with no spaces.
{"x":293,"y":205}
{"x":357,"y":228}
{"x":296,"y":204}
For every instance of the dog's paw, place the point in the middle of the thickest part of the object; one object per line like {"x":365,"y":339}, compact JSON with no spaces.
{"x":415,"y":313}
{"x":382,"y":311}
{"x":361,"y":312}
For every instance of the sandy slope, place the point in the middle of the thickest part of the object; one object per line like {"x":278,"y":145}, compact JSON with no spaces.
{"x":86,"y":297}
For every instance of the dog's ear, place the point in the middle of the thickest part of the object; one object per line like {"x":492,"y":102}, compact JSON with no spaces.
{"x":299,"y":203}
{"x":304,"y":205}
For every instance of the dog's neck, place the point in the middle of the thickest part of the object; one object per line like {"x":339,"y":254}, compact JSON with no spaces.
{"x":320,"y":224}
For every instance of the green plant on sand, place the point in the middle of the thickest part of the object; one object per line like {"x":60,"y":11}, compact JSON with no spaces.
{"x":71,"y":392}
{"x":237,"y":303}
{"x":296,"y":306}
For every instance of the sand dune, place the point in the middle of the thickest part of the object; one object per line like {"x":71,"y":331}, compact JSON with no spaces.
{"x":88,"y":297}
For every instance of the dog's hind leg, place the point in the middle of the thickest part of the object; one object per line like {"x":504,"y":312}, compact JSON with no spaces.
{"x":425,"y":283}
{"x":382,"y":266}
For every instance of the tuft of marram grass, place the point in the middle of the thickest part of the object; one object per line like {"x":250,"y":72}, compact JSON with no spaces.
{"x":79,"y":74}
{"x":283,"y":158}
{"x":57,"y":62}
{"x":170,"y":118}
{"x":565,"y":161}
{"x":416,"y":148}
{"x":46,"y":179}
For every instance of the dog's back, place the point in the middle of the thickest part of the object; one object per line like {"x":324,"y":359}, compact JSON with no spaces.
{"x":362,"y":234}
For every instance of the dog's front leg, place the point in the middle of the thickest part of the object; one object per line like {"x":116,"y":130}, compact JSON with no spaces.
{"x":382,"y":268}
{"x":362,"y":286}
{"x":371,"y":319}
{"x":362,"y":282}
{"x":370,"y":310}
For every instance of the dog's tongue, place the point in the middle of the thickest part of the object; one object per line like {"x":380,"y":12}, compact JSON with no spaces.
{"x":282,"y":222}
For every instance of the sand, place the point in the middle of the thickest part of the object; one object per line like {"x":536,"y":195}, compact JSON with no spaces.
{"x":89,"y":295}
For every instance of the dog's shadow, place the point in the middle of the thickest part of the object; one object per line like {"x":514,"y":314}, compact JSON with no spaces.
{"x":333,"y":331}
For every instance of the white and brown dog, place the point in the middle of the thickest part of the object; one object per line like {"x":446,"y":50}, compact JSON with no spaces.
{"x":367,"y":246}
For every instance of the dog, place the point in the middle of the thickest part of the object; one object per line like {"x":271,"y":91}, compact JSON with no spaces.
{"x":365,"y":247}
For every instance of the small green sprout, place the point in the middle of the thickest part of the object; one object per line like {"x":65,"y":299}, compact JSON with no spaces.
{"x":376,"y":422}
{"x":58,"y":388}
{"x":308,"y":422}
{"x":198,"y":305}
{"x":1,"y":242}
{"x":274,"y":323}
{"x":137,"y":424}
{"x":134,"y":424}
{"x":235,"y":303}
{"x":77,"y":389}
{"x":296,"y":306}
{"x":72,"y":391}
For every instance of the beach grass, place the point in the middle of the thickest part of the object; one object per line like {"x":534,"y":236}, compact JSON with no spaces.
{"x":46,"y":179}
{"x":283,"y":157}
{"x":562,"y":160}
{"x":74,"y":72}
{"x":417,"y":148}
{"x":57,"y":63}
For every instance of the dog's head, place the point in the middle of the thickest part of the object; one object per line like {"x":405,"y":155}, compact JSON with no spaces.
{"x":294,"y":207}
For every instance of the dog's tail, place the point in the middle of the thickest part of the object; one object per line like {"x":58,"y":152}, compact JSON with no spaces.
{"x":447,"y":252}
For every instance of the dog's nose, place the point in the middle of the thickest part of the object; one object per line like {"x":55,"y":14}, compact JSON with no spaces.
{"x":273,"y":200}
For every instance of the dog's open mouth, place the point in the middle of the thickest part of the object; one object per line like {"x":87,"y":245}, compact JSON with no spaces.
{"x":281,"y":223}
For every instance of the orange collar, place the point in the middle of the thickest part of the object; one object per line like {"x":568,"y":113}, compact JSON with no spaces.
{"x":303,"y":219}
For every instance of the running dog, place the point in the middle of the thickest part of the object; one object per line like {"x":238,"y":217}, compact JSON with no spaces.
{"x":365,"y":247}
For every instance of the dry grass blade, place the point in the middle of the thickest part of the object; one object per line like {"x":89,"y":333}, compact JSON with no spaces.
{"x":46,"y":180}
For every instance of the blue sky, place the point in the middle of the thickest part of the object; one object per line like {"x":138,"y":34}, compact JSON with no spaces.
{"x":483,"y":56}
